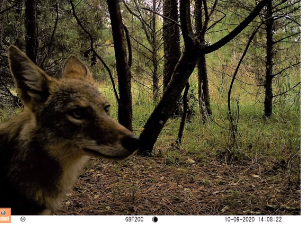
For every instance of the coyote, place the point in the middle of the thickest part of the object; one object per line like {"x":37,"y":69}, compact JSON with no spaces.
{"x":65,"y":121}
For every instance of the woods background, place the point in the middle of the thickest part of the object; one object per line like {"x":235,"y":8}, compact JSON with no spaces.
{"x":207,"y":85}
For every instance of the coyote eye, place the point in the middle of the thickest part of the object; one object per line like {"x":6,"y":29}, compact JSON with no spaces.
{"x":107,"y":108}
{"x":77,"y":113}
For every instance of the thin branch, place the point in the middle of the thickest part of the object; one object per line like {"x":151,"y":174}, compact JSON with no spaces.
{"x":161,"y":15}
{"x":286,"y":37}
{"x":237,"y":68}
{"x":215,"y":23}
{"x":93,"y":50}
{"x":134,"y":14}
{"x":141,"y":44}
{"x":128,"y":45}
{"x":16,"y":3}
{"x":141,"y":17}
{"x":286,"y":69}
{"x":287,"y":90}
{"x":237,"y":30}
{"x":213,"y":8}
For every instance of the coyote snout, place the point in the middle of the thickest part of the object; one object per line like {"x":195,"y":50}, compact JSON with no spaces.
{"x":65,"y":121}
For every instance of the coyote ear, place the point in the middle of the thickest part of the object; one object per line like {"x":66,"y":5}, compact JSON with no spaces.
{"x":31,"y":81}
{"x":75,"y":68}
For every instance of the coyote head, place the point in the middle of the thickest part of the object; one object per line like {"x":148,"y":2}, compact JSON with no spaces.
{"x":68,"y":114}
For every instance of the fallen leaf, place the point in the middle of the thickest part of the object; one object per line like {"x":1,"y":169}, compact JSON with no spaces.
{"x":255,"y":176}
{"x":225,"y":209}
{"x":190,"y":161}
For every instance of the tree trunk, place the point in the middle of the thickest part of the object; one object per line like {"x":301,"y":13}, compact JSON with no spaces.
{"x":155,"y":56}
{"x":31,"y":40}
{"x":171,"y":39}
{"x":269,"y":61}
{"x":123,"y":69}
{"x":203,"y":84}
{"x":203,"y":88}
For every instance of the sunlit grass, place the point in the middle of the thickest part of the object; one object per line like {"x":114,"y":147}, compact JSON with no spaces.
{"x":257,"y":137}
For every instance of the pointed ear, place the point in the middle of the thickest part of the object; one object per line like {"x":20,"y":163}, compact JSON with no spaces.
{"x":31,"y":81}
{"x":75,"y":68}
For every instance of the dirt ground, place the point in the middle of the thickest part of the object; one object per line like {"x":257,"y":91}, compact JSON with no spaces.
{"x":154,"y":186}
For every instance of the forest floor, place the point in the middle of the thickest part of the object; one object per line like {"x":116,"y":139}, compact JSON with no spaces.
{"x":157,"y":186}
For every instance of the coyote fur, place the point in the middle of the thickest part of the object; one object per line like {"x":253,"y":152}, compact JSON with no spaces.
{"x":65,"y":121}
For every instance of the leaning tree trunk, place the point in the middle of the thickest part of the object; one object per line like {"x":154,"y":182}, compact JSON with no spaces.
{"x":171,"y":39}
{"x":166,"y":106}
{"x":31,"y":40}
{"x":269,"y":61}
{"x":123,"y":69}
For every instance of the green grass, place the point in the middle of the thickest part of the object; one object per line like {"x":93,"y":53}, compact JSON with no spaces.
{"x":277,"y":137}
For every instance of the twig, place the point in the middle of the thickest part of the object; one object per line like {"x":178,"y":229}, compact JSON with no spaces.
{"x":287,"y":90}
{"x":161,"y":15}
{"x":285,"y":69}
{"x":16,"y":3}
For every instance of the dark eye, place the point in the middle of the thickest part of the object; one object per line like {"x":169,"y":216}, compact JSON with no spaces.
{"x":77,"y":113}
{"x":107,"y":108}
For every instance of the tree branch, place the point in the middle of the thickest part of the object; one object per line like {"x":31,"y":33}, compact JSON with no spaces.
{"x":161,"y":15}
{"x":237,"y":68}
{"x":286,"y":37}
{"x":287,"y":90}
{"x":16,"y":3}
{"x":237,"y":30}
{"x":286,"y":68}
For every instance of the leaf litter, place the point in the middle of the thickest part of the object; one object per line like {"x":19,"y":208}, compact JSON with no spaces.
{"x":149,"y":186}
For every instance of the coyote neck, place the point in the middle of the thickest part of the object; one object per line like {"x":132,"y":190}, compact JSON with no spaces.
{"x":45,"y":171}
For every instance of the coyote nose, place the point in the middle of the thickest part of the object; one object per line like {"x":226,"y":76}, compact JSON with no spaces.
{"x":131,"y":143}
